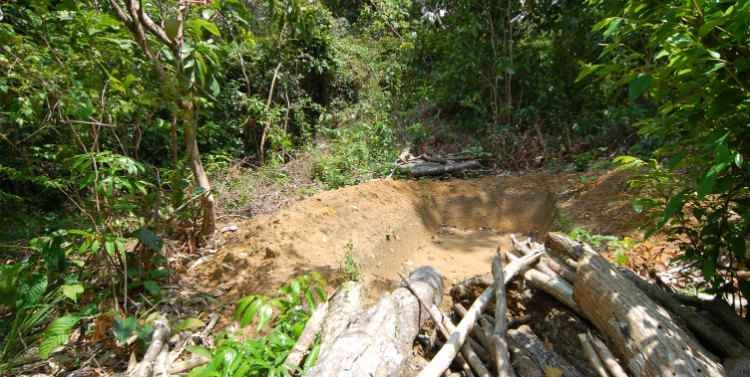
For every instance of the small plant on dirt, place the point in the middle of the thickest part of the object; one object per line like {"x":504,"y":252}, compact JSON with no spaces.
{"x":349,"y":266}
{"x":286,"y":315}
{"x":563,"y":222}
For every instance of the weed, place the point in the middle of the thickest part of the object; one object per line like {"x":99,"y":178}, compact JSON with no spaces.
{"x":349,"y":266}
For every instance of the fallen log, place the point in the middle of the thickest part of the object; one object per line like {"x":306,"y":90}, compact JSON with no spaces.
{"x":521,"y":361}
{"x":343,"y":308}
{"x":429,"y":169}
{"x":565,"y":246}
{"x":379,"y":341}
{"x":614,"y":367}
{"x":523,"y":337}
{"x":158,"y":341}
{"x":643,"y":334}
{"x":446,"y":327}
{"x":551,"y":263}
{"x":713,"y":336}
{"x":590,"y":353}
{"x":499,"y":341}
{"x":311,"y":330}
{"x":442,"y":360}
{"x":554,"y":286}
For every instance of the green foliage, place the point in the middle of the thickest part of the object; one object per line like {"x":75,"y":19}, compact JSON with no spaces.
{"x":616,"y":246}
{"x":57,"y":334}
{"x":349,"y":266}
{"x":689,"y":61}
{"x":265,"y":355}
{"x":357,"y":153}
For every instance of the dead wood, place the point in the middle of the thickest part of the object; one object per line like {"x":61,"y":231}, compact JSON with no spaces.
{"x":521,"y":361}
{"x":592,"y":356}
{"x":713,"y":336}
{"x":499,"y":342}
{"x":565,"y":246}
{"x":430,"y":169}
{"x":609,"y":360}
{"x":158,"y":341}
{"x":554,"y":286}
{"x":722,"y":313}
{"x":442,"y":360}
{"x":524,"y":338}
{"x":343,"y":308}
{"x":312,"y":328}
{"x":446,"y":327}
{"x":379,"y":341}
{"x":642,"y":333}
{"x":559,"y":267}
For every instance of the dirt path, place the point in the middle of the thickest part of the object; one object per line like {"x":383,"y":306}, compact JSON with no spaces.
{"x":388,"y":226}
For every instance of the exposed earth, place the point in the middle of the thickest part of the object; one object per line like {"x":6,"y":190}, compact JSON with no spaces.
{"x":390,"y":227}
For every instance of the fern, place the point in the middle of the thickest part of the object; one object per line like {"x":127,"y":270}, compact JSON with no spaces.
{"x":57,"y":334}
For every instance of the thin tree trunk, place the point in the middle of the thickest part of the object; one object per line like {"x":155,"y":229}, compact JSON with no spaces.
{"x":196,"y":166}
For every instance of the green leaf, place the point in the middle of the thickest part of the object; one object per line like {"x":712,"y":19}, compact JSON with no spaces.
{"x":57,"y":334}
{"x":72,"y":291}
{"x":198,"y":350}
{"x":264,"y":316}
{"x":187,"y":324}
{"x":150,"y":239}
{"x":152,"y":287}
{"x":124,"y":328}
{"x":707,"y":184}
{"x":639,"y":86}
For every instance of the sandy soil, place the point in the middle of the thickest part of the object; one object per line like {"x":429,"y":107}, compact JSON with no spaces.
{"x":390,"y":228}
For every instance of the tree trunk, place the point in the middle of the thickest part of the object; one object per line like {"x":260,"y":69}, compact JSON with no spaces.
{"x":379,"y":341}
{"x":196,"y":166}
{"x":643,"y":334}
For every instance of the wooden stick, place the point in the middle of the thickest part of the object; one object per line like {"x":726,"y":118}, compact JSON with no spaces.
{"x":442,"y":360}
{"x":502,"y":356}
{"x":159,"y":339}
{"x":312,"y":328}
{"x":614,"y":367}
{"x":588,"y":351}
{"x":476,"y":331}
{"x":446,"y":327}
{"x":554,"y":286}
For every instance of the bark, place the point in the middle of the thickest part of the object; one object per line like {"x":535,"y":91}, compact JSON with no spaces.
{"x":312,"y":328}
{"x":343,"y":308}
{"x":447,"y":327}
{"x":554,"y":286}
{"x":643,"y":334}
{"x":713,"y":336}
{"x":590,"y":353}
{"x":559,"y":267}
{"x":525,"y":339}
{"x":445,"y":356}
{"x":158,"y":341}
{"x":208,"y":225}
{"x":613,"y":366}
{"x":380,"y":340}
{"x":563,"y":245}
{"x":500,"y":344}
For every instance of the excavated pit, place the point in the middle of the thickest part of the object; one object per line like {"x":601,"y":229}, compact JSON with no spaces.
{"x":389,"y":227}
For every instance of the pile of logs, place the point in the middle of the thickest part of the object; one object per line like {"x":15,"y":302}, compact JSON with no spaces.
{"x":426,"y":165}
{"x":636,"y":328}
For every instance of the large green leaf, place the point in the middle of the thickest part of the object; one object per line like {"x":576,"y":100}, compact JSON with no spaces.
{"x":57,"y":334}
{"x":639,"y":86}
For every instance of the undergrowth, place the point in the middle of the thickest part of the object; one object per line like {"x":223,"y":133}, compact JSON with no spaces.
{"x":285,"y":317}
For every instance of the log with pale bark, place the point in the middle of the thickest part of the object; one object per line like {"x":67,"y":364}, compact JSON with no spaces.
{"x":379,"y":341}
{"x":713,"y":336}
{"x":613,"y":366}
{"x":592,"y":356}
{"x":343,"y":309}
{"x":499,"y":341}
{"x":429,"y":169}
{"x":565,"y":246}
{"x":311,"y":330}
{"x":448,"y":352}
{"x":553,"y":285}
{"x":642,"y":333}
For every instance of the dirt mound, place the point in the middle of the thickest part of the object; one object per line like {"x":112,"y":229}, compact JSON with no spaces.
{"x":388,"y":227}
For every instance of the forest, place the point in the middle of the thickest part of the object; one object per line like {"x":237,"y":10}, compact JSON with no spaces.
{"x":268,"y":187}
